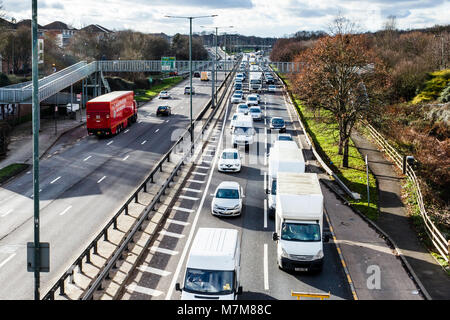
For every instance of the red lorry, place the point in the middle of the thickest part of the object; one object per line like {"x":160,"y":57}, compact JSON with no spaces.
{"x":110,"y":113}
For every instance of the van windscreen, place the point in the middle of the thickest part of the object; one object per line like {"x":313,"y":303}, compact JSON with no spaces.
{"x":209,"y":281}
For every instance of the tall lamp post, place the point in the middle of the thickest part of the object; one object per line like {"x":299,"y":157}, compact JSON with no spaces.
{"x":190,"y":67}
{"x":214,"y":73}
{"x":35,"y":108}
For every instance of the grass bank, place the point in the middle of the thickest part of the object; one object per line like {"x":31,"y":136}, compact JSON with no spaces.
{"x":143,"y":95}
{"x":12,"y":170}
{"x":324,"y":133}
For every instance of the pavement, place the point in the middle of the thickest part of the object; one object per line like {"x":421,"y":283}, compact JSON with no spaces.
{"x":20,"y":148}
{"x":394,"y":221}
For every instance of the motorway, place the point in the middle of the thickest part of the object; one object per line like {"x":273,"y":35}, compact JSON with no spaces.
{"x":260,"y":277}
{"x":82,"y":187}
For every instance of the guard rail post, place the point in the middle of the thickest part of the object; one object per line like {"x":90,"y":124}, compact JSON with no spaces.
{"x":404,"y":165}
{"x":448,"y":250}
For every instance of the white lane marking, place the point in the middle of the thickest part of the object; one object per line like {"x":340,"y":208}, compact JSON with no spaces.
{"x":126,"y":131}
{"x":197,"y":215}
{"x":109,"y":143}
{"x":266,"y":268}
{"x":54,"y":181}
{"x":199,"y":173}
{"x":104,"y":177}
{"x":181,"y":223}
{"x":206,"y":161}
{"x":125,"y":159}
{"x":7,"y":260}
{"x":86,"y":159}
{"x":143,"y":142}
{"x":28,"y":172}
{"x":167,"y":121}
{"x":192,"y":190}
{"x":171,"y":234}
{"x":196,"y":181}
{"x":162,"y":250}
{"x":158,"y":272}
{"x":150,"y":292}
{"x":200,"y":167}
{"x":265,"y":213}
{"x":6,"y":213}
{"x":188,"y":198}
{"x":65,"y":211}
{"x":156,"y":130}
{"x":183,"y":209}
{"x":140,"y":121}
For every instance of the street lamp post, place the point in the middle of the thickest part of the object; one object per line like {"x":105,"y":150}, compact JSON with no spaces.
{"x":190,"y":69}
{"x":35,"y":108}
{"x":214,"y":72}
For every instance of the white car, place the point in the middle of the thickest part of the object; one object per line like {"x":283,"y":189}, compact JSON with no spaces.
{"x":242,"y":108}
{"x":230,"y":161}
{"x":255,"y":112}
{"x":164,"y":94}
{"x":237,"y":98}
{"x":227,"y":199}
{"x":252,"y":100}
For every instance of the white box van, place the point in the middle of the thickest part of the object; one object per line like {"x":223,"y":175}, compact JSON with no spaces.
{"x":284,"y":156}
{"x":213,"y":266}
{"x":299,"y":222}
{"x":243,"y":131}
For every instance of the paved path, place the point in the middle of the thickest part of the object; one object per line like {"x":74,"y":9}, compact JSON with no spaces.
{"x":394,"y":221}
{"x":20,"y":148}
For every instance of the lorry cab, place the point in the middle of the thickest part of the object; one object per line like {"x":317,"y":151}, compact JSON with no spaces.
{"x":204,"y":76}
{"x":213,"y":267}
{"x":299,"y":222}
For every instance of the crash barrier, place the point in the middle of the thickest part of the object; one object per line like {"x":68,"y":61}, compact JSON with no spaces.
{"x":85,"y":256}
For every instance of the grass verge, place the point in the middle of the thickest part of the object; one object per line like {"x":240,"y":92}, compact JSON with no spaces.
{"x":143,"y":95}
{"x":12,"y":170}
{"x":324,"y":133}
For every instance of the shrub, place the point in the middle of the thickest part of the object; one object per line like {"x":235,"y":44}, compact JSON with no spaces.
{"x":445,"y":95}
{"x":433,"y":87}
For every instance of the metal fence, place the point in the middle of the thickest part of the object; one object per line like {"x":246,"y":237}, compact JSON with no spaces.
{"x":437,"y":238}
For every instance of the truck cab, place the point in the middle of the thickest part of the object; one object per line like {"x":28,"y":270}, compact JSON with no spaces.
{"x":213,"y":266}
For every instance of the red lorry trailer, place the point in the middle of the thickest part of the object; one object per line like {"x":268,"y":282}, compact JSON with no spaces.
{"x":110,"y":113}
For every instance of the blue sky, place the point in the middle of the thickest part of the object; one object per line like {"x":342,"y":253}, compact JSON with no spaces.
{"x":249,"y":17}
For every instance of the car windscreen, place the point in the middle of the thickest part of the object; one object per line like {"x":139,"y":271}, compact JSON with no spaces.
{"x":227,"y":194}
{"x":300,"y":231}
{"x":209,"y":281}
{"x":273,"y":190}
{"x":255,"y":110}
{"x":243,"y":107}
{"x":278,"y":121}
{"x":252,"y":98}
{"x":242,"y":130}
{"x":285,"y":138}
{"x":229,"y":155}
{"x":162,"y":108}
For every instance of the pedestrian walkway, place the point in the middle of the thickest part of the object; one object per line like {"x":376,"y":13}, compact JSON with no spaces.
{"x":20,"y":148}
{"x":394,"y":222}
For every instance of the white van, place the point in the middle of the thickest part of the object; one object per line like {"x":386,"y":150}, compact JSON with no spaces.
{"x":213,"y":266}
{"x":243,"y":131}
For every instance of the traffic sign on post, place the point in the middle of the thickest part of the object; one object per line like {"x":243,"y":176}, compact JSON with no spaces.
{"x":168,"y":64}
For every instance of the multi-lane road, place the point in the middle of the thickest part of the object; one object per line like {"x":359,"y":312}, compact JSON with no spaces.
{"x":82,"y":186}
{"x":260,"y":276}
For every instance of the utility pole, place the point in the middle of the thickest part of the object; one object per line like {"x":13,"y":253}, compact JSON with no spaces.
{"x":35,"y":107}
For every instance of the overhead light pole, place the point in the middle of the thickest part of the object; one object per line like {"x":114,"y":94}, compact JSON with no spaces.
{"x":190,"y":68}
{"x":214,"y":73}
{"x":35,"y":108}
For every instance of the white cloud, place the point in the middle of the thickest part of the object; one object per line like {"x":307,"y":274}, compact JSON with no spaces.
{"x":249,"y":17}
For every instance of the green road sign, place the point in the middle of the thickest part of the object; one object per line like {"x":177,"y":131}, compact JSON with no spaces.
{"x":168,"y":64}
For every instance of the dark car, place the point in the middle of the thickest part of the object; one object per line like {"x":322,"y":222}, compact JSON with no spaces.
{"x":163,"y":111}
{"x":196,"y":74}
{"x":277,"y":123}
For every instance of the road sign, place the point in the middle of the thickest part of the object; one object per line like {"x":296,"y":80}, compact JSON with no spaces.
{"x":44,"y":249}
{"x":167,"y":64}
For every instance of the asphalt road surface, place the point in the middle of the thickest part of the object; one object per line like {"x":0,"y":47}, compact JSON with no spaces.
{"x":82,"y":187}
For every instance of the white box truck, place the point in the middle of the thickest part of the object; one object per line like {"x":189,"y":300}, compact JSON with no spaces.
{"x":213,"y":266}
{"x":299,"y":222}
{"x":284,"y":156}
